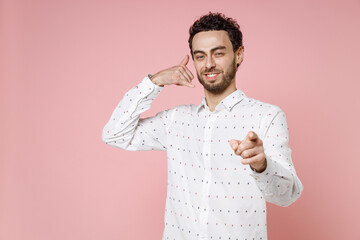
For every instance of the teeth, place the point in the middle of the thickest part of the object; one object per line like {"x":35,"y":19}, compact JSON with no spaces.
{"x":211,"y":75}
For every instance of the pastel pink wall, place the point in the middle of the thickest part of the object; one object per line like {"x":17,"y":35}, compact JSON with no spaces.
{"x":66,"y":64}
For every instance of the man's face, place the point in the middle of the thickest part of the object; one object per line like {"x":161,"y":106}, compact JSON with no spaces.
{"x":214,"y":59}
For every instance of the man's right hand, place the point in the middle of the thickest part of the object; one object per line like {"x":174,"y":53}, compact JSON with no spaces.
{"x":178,"y":75}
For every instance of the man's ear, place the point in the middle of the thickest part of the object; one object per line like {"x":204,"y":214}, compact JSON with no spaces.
{"x":239,"y":54}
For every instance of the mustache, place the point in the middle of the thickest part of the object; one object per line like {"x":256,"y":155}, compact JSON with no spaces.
{"x":211,"y":71}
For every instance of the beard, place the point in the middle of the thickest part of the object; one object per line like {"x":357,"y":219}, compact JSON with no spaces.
{"x":228,"y":76}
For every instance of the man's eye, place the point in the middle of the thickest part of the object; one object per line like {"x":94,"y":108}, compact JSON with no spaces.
{"x":219,"y":54}
{"x":199,"y":57}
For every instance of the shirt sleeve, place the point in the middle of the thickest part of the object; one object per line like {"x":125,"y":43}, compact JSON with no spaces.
{"x":279,"y":183}
{"x":127,"y":130}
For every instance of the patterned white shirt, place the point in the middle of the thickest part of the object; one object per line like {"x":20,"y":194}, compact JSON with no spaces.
{"x":210,"y":193}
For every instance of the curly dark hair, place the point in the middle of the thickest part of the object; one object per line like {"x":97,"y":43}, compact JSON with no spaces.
{"x":217,"y":21}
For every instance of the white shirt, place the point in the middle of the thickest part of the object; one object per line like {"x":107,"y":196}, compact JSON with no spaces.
{"x":210,"y":193}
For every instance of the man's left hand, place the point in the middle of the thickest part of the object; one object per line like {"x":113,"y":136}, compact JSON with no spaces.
{"x":251,"y":150}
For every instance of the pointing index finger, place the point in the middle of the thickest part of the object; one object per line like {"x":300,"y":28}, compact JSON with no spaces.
{"x":252,"y":136}
{"x":234,"y":143}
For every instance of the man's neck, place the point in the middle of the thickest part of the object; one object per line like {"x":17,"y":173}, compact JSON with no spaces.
{"x":213,"y":99}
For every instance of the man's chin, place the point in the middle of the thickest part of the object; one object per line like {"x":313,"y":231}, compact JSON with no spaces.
{"x":214,"y":88}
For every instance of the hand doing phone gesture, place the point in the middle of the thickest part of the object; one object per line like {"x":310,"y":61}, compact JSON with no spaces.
{"x":178,"y":75}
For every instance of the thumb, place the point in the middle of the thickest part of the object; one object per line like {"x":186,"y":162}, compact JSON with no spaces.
{"x":185,"y":60}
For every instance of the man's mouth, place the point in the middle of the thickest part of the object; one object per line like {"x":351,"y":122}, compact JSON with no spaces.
{"x":211,"y":76}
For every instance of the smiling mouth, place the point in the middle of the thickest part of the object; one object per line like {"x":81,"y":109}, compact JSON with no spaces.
{"x":211,"y":76}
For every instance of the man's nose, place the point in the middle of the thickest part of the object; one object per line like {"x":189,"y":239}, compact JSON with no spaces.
{"x":210,"y":63}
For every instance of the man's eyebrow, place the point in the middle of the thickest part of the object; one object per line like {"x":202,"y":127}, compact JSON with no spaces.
{"x":212,"y":50}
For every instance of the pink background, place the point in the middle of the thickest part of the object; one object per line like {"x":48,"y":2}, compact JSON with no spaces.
{"x":66,"y":64}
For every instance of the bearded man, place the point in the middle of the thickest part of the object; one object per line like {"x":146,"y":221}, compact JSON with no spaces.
{"x":226,"y":157}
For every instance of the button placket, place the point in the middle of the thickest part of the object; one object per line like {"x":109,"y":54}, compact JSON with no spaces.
{"x":204,"y":208}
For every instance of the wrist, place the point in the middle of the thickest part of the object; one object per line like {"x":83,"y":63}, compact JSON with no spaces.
{"x":155,"y":80}
{"x":260,"y":169}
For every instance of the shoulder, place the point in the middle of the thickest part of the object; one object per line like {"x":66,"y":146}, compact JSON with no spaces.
{"x":261,"y":106}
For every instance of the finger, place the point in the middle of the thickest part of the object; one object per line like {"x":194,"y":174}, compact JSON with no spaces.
{"x":185,"y":60}
{"x":244,"y":146}
{"x":184,"y":73}
{"x":189,"y":73}
{"x":181,"y":79}
{"x":249,"y":153}
{"x":184,"y":82}
{"x":252,"y":136}
{"x":189,"y":85}
{"x":253,"y":160}
{"x":234,"y":144}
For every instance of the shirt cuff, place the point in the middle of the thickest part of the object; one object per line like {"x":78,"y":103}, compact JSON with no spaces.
{"x":264,"y":178}
{"x":148,"y":87}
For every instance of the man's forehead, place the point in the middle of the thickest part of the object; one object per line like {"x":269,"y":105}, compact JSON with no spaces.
{"x":205,"y":41}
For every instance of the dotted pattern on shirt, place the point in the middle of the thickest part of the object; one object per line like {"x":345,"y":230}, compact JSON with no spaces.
{"x":208,"y":186}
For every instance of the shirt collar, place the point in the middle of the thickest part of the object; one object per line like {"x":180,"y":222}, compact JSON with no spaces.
{"x":228,"y":102}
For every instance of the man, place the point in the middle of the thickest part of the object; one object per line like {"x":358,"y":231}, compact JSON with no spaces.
{"x":226,"y":156}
